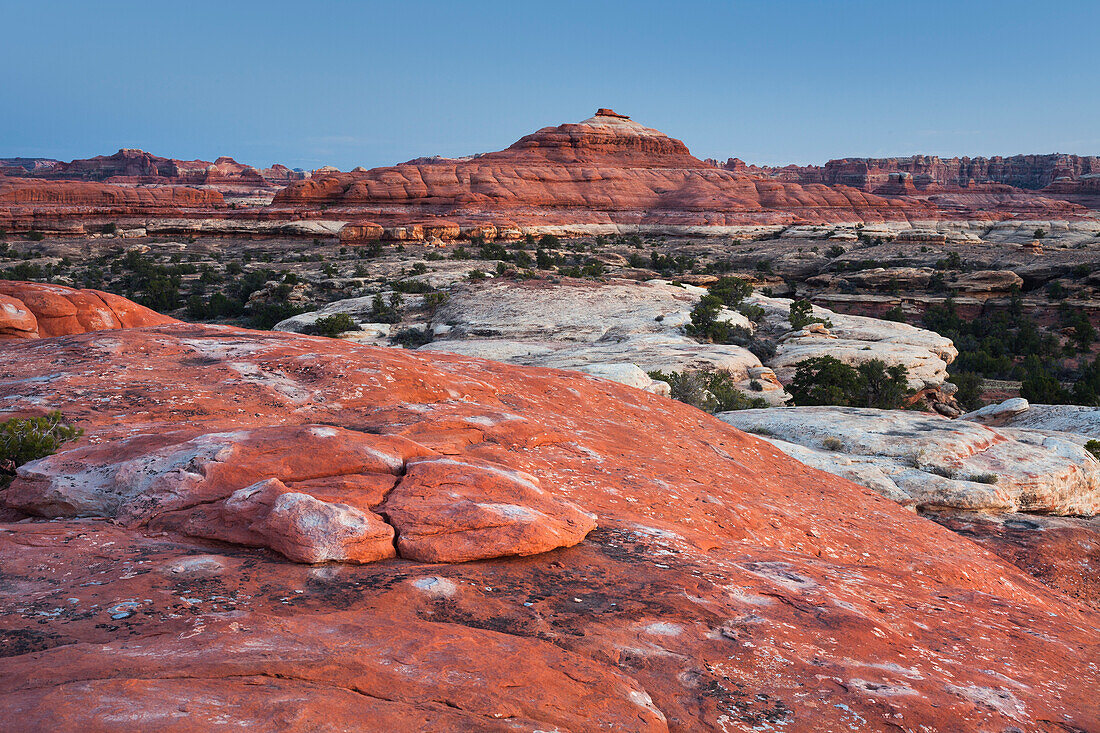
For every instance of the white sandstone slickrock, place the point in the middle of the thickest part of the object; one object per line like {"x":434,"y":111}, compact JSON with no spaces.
{"x":854,"y":340}
{"x":931,"y":461}
{"x":1081,"y":421}
{"x":621,"y":329}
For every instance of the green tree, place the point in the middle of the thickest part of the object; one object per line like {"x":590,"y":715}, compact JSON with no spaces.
{"x":825,"y":380}
{"x":802,"y":315}
{"x":334,"y":325}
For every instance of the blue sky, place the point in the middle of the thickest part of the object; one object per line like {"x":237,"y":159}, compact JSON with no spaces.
{"x":365,"y":83}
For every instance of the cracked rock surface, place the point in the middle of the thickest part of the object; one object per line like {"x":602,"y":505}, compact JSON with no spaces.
{"x":146,"y":581}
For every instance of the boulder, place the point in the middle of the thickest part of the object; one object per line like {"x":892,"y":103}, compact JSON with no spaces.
{"x":987,"y":282}
{"x":276,"y":487}
{"x":933,"y":462}
{"x":360,"y":232}
{"x":37,"y":310}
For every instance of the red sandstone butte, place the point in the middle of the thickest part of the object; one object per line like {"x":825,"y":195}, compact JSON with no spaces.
{"x":637,"y":565}
{"x":36,"y":310}
{"x":607,"y":169}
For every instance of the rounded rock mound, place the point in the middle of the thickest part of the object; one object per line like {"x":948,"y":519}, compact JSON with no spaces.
{"x":726,"y":586}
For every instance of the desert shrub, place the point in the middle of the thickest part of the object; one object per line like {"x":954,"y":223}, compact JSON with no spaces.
{"x":802,"y":315}
{"x":983,"y":478}
{"x":35,"y":236}
{"x":997,"y":344}
{"x":148,"y":283}
{"x":544,"y":258}
{"x":835,"y":251}
{"x":1086,"y":390}
{"x":942,"y":471}
{"x":411,"y":286}
{"x":730,"y":290}
{"x":1044,"y":388}
{"x":667,"y":264}
{"x":264,"y":315}
{"x":705,"y":325}
{"x":708,"y":389}
{"x":433,"y":300}
{"x":26,"y":439}
{"x":332,"y":326}
{"x":24,"y":271}
{"x":1040,"y":233}
{"x":953,"y":261}
{"x":1093,"y":447}
{"x":492,"y":251}
{"x":476,"y":275}
{"x":752,"y":311}
{"x":412,"y":338}
{"x":383,"y":312}
{"x":825,"y":380}
{"x":371,"y":251}
{"x":1056,"y":290}
{"x":1081,"y":329}
{"x":218,"y":305}
{"x":832,"y":443}
{"x":110,"y":228}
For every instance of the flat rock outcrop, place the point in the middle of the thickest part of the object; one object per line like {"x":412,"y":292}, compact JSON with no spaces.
{"x":1018,"y":413}
{"x":36,"y":310}
{"x":1059,"y":551}
{"x":854,"y":340}
{"x":933,"y":462}
{"x":622,"y":329}
{"x":755,"y":593}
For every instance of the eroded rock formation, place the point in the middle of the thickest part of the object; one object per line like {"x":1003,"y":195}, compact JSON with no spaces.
{"x":36,"y":310}
{"x":725,"y":585}
{"x":932,"y":462}
{"x":606,"y":170}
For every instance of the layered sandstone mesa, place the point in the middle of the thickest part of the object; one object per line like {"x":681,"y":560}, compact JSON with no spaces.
{"x":35,"y":310}
{"x":725,"y":587}
{"x":65,"y":206}
{"x":15,"y":192}
{"x":975,"y":187}
{"x":607,"y":170}
{"x":1032,"y":172}
{"x":130,"y":165}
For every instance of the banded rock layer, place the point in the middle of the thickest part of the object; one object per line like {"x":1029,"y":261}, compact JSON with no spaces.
{"x":607,"y":169}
